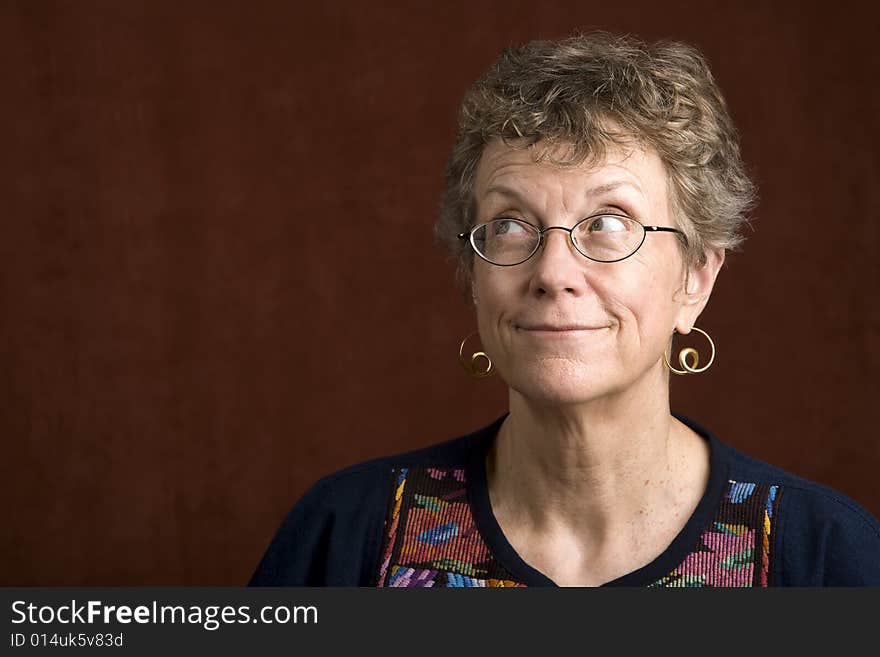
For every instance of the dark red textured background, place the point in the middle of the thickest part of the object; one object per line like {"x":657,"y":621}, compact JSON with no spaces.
{"x":219,"y":284}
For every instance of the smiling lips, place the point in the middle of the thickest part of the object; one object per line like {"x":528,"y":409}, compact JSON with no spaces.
{"x":550,"y":330}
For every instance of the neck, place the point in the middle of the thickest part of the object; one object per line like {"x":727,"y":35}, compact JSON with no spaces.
{"x":592,"y":468}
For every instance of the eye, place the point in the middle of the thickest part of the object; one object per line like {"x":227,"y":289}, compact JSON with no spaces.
{"x":508,"y":227}
{"x":607,"y":223}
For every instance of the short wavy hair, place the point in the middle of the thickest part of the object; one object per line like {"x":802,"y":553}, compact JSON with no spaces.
{"x":592,"y":91}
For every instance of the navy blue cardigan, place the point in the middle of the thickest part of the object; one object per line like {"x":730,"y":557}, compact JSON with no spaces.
{"x":423,"y":518}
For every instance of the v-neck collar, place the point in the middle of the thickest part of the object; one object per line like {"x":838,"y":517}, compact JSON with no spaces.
{"x":684,"y":543}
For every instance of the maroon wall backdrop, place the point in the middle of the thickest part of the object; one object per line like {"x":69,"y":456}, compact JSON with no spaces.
{"x":195,"y":324}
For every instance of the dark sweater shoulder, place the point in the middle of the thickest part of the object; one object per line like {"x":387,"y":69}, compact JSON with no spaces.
{"x":332,"y":535}
{"x":348,"y":484}
{"x":445,"y":454}
{"x":823,"y":537}
{"x":815,"y":496}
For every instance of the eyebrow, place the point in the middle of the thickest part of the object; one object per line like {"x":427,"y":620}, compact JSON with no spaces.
{"x":504,"y":190}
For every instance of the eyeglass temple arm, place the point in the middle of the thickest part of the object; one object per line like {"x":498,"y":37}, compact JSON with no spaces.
{"x":667,"y":229}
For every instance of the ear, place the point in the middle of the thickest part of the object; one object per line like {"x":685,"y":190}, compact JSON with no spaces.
{"x":700,"y":281}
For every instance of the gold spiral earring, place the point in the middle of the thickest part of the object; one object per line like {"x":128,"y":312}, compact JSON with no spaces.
{"x":694,"y":355}
{"x":472,"y":367}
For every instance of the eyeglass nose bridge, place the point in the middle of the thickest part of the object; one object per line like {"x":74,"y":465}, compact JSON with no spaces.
{"x":571,"y":241}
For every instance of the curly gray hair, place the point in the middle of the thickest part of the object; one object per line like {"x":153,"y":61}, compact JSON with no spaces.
{"x":595,"y":90}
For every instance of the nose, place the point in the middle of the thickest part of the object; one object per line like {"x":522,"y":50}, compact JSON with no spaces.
{"x":559,"y":267}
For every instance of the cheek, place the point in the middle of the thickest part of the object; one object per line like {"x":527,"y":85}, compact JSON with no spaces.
{"x":643,"y":306}
{"x":493,"y":291}
{"x":491,"y":300}
{"x":655,"y":312}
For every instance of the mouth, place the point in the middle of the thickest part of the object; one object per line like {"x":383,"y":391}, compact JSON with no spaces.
{"x":562,"y":330}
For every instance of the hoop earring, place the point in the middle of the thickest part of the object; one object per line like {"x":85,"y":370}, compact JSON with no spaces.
{"x":690,"y":352}
{"x":471,"y":367}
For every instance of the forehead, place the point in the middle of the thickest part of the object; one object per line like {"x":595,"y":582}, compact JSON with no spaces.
{"x":503,"y":165}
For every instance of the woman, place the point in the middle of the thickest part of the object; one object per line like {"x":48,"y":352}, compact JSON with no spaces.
{"x":593,"y":190}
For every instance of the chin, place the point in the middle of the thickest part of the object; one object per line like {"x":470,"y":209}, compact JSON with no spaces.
{"x":558,"y":381}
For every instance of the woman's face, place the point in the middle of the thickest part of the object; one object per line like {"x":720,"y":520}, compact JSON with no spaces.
{"x":560,"y":327}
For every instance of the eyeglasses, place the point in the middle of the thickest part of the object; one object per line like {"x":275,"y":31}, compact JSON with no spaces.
{"x":600,"y":237}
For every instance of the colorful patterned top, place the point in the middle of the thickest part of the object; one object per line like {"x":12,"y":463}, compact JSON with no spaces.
{"x":424,"y":519}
